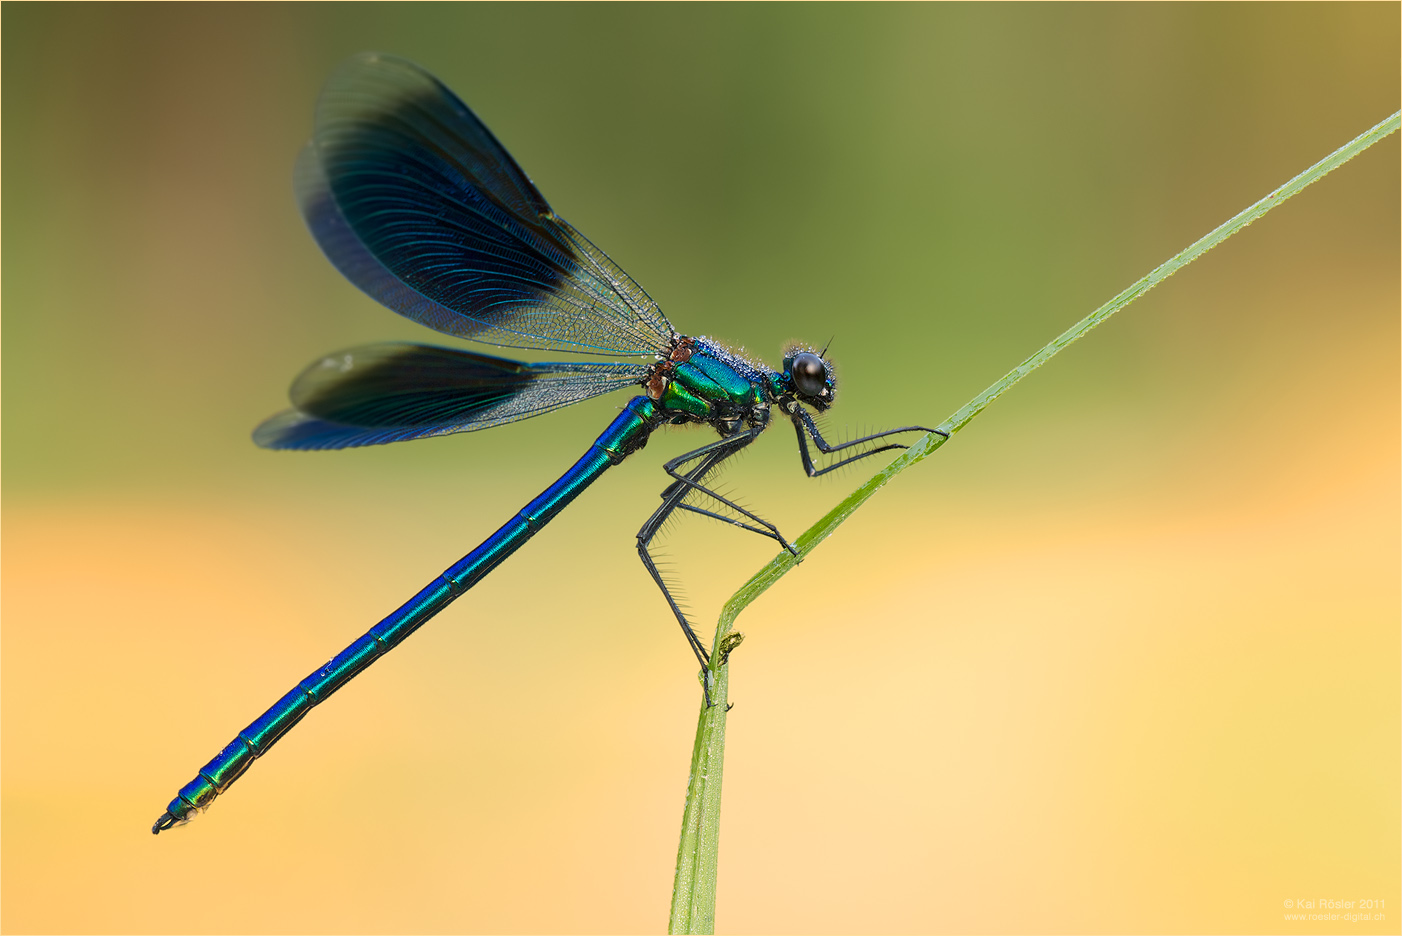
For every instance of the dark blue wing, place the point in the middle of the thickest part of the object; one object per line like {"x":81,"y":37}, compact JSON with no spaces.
{"x":392,"y":392}
{"x":415,"y":201}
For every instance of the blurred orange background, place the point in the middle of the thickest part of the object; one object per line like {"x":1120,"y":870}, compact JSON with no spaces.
{"x":1123,"y":657}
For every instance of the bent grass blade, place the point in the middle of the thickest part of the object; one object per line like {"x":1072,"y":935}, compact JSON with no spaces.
{"x":694,"y":885}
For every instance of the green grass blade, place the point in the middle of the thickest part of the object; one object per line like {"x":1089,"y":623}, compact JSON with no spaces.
{"x":694,"y":886}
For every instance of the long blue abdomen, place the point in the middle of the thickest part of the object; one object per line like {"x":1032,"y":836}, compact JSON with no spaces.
{"x":625,"y":435}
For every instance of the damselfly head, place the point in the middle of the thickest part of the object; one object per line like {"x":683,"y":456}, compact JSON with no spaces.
{"x":809,"y":377}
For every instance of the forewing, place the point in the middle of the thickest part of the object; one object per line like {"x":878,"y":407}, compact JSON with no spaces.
{"x":393,"y":392}
{"x":415,"y":201}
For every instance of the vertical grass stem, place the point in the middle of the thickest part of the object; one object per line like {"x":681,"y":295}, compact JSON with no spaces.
{"x":694,"y":885}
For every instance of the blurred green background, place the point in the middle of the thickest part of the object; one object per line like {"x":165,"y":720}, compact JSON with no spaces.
{"x":1124,"y":657}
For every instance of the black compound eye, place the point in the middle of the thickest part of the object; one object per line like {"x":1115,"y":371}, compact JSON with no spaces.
{"x":809,"y":374}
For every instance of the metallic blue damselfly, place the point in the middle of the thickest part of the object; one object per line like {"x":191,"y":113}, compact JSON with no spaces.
{"x":415,"y":201}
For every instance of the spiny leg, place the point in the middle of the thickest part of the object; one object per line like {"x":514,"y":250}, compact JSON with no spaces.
{"x":691,"y":481}
{"x":685,"y":484}
{"x":671,"y":497}
{"x":804,"y":426}
{"x":813,"y":471}
{"x":724,"y":519}
{"x":827,"y":448}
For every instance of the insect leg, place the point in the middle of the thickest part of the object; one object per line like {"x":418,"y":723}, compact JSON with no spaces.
{"x":691,"y":481}
{"x":709,"y":457}
{"x":804,"y":427}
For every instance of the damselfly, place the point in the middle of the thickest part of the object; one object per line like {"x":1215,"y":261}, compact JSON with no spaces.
{"x":415,"y":201}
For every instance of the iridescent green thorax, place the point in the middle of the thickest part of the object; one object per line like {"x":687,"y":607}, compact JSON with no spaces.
{"x":705,"y":381}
